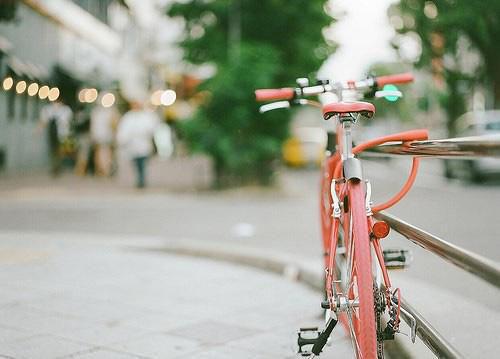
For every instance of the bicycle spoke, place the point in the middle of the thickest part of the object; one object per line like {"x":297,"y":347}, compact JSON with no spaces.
{"x":354,"y":339}
{"x":350,"y":260}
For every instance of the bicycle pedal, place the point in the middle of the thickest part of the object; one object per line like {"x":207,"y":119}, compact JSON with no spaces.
{"x":306,"y":337}
{"x":315,"y":338}
{"x":397,"y":258}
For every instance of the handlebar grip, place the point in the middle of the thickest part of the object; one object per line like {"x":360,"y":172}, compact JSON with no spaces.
{"x":274,"y":94}
{"x":394,"y":79}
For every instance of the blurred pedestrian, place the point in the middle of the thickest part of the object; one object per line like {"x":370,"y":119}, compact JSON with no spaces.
{"x":56,"y":119}
{"x":135,"y":135}
{"x":81,"y":127}
{"x":103,"y":121}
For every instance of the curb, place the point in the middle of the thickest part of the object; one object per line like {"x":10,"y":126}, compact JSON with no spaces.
{"x":289,"y":266}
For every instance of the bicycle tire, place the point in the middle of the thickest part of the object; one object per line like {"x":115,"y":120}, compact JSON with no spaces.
{"x":364,"y":327}
{"x":325,"y":204}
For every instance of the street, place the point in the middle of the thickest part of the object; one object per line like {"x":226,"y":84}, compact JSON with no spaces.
{"x":284,"y":219}
{"x":120,"y":118}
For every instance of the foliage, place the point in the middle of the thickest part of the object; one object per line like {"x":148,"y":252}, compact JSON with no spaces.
{"x":453,"y":33}
{"x":67,"y":84}
{"x":252,"y":44}
{"x":8,"y":9}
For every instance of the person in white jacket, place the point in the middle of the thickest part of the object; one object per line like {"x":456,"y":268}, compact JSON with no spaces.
{"x":135,"y":137}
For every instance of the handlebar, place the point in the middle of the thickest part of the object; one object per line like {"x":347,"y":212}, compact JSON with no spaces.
{"x":394,"y":79}
{"x":370,"y":84}
{"x":275,"y":94}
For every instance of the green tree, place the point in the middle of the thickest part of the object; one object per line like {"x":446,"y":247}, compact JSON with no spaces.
{"x":8,"y":9}
{"x":252,"y":44}
{"x":451,"y":33}
{"x":67,"y":84}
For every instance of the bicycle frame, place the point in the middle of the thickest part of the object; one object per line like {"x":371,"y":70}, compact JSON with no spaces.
{"x":345,"y":207}
{"x":339,"y":169}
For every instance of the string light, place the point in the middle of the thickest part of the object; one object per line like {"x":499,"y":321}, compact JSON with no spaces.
{"x":53,"y":94}
{"x":81,"y":95}
{"x":91,"y":95}
{"x":21,"y":87}
{"x":168,"y":97}
{"x":7,"y":84}
{"x":43,"y":93}
{"x":33,"y":89}
{"x":108,"y":100}
{"x":156,"y":98}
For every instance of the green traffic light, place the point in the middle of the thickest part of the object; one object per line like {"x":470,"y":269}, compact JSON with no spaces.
{"x":391,"y":88}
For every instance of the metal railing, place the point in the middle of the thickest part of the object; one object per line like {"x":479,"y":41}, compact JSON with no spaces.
{"x":465,"y":147}
{"x":480,"y":266}
{"x":426,"y":332}
{"x":484,"y":268}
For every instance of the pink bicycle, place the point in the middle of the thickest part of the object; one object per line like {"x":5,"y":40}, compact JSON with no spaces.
{"x":358,"y":289}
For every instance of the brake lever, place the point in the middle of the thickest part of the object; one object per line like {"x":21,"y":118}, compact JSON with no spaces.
{"x":287,"y":104}
{"x":274,"y":106}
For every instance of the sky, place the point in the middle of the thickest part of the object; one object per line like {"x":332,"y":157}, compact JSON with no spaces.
{"x":364,"y":34}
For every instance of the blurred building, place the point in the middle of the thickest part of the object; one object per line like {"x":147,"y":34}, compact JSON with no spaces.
{"x":76,"y":35}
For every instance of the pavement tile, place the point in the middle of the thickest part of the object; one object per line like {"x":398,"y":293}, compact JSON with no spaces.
{"x":104,"y":335}
{"x":265,"y":319}
{"x":161,"y":321}
{"x":42,"y":347}
{"x":282,"y":340}
{"x":36,"y":322}
{"x":225,"y":352}
{"x":87,"y":308}
{"x":273,"y":343}
{"x":16,"y":293}
{"x":213,"y":332}
{"x":8,"y":334}
{"x":103,"y":354}
{"x":159,"y":345}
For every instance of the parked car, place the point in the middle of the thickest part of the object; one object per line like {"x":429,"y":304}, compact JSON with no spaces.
{"x":477,"y":123}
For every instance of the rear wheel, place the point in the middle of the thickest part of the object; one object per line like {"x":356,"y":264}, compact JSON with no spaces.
{"x":359,"y":281}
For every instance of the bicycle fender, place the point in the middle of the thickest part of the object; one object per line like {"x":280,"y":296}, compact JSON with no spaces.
{"x":352,"y":169}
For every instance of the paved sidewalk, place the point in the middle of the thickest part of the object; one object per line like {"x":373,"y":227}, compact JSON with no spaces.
{"x":284,"y":222}
{"x":89,"y":296}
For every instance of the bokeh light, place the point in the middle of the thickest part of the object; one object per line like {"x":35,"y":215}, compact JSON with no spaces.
{"x":108,"y":100}
{"x":43,"y":93}
{"x":168,"y":97}
{"x":7,"y":84}
{"x":21,"y":87}
{"x":430,"y":10}
{"x":33,"y":89}
{"x":53,"y":94}
{"x":156,"y":98}
{"x":81,"y":95}
{"x":91,"y":95}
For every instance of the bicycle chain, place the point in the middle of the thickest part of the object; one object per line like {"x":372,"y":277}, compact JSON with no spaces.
{"x":379,"y":301}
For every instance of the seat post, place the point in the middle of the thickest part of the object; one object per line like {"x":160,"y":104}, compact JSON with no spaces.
{"x":347,"y":122}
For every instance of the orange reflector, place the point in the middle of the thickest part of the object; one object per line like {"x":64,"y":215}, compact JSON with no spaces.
{"x":381,"y":229}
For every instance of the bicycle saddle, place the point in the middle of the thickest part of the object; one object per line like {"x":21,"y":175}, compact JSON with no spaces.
{"x":366,"y":109}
